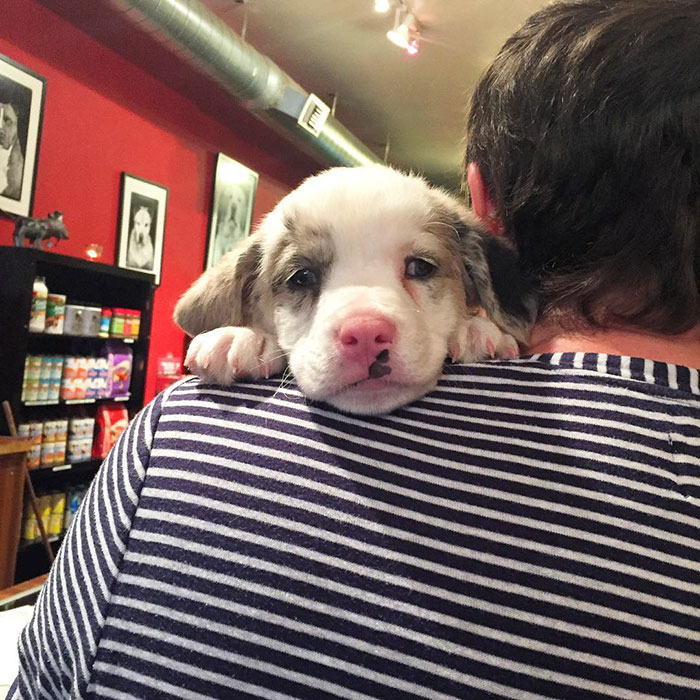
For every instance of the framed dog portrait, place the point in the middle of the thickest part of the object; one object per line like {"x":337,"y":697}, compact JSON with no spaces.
{"x":232,"y":202}
{"x":141,"y":225}
{"x":22,"y":94}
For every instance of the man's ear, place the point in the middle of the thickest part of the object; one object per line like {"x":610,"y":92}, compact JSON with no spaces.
{"x":482,"y":205}
{"x":225,"y":294}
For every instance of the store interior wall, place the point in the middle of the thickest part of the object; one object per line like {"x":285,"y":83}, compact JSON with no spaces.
{"x":103,"y":116}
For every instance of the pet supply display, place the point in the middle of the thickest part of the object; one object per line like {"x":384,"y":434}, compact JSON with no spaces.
{"x":110,"y":423}
{"x":55,"y":313}
{"x":92,"y":317}
{"x":73,"y":324}
{"x":135,"y":327}
{"x":48,"y":452}
{"x":57,"y":508}
{"x":75,"y":378}
{"x":58,"y":505}
{"x":30,"y":383}
{"x":52,"y":314}
{"x":80,"y":436}
{"x":37,"y":318}
{"x":65,"y":375}
{"x":116,"y":328}
{"x":125,"y":323}
{"x":105,"y":322}
{"x":119,"y":364}
{"x":33,"y":432}
{"x":44,"y":377}
{"x":74,"y":498}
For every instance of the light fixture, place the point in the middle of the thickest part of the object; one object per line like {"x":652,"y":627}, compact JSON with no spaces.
{"x":93,"y":251}
{"x":382,"y":6}
{"x":404,"y":33}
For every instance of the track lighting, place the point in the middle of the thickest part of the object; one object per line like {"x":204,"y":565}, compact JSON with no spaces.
{"x":404,"y":33}
{"x":382,"y":6}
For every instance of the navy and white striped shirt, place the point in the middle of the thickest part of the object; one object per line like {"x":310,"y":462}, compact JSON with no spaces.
{"x":527,"y":530}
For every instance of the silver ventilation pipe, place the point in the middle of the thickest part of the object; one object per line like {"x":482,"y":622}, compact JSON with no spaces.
{"x":211,"y":46}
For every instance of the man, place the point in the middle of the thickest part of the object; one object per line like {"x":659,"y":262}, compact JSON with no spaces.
{"x":591,"y":167}
{"x":528,"y":530}
{"x":11,"y":158}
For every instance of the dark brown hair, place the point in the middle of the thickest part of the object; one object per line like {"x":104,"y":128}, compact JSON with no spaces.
{"x":586,"y":129}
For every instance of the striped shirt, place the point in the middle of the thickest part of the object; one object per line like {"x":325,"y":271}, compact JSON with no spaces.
{"x":527,"y":530}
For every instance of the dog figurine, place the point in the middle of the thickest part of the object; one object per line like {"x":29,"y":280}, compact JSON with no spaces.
{"x":39,"y":231}
{"x":363,"y":280}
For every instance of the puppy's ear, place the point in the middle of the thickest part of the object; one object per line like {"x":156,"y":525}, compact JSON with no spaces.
{"x":493,"y":279}
{"x":225,"y":294}
{"x":493,"y":276}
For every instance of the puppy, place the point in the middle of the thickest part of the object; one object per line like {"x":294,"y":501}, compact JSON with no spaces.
{"x":362,"y":280}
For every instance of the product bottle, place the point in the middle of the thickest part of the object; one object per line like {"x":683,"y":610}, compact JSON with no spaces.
{"x":37,"y":319}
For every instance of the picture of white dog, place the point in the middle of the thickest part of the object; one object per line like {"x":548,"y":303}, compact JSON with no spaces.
{"x":140,"y":252}
{"x":363,"y":281}
{"x":11,"y":156}
{"x":232,"y":221}
{"x":233,"y":197}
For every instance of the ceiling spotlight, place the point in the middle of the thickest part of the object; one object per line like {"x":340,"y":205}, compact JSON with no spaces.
{"x":382,"y":6}
{"x":404,"y":33}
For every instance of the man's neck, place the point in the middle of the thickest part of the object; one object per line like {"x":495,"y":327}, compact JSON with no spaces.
{"x":683,"y":349}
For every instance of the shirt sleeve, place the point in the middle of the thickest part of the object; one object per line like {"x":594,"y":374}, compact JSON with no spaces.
{"x":57,"y":648}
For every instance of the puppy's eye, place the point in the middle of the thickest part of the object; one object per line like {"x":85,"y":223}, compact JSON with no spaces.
{"x":303,"y":278}
{"x":417,"y":268}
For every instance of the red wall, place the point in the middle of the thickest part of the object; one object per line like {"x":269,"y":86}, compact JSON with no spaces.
{"x":104,"y":115}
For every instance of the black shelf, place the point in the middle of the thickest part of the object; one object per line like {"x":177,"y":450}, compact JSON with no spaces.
{"x":69,"y":474}
{"x":81,"y":281}
{"x":76,"y":402}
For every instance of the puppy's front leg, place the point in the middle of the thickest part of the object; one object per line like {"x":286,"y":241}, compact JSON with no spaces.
{"x":477,"y":338}
{"x":234,"y":352}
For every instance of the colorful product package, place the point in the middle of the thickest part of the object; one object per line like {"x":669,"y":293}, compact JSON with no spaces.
{"x":120,"y":363}
{"x":111,"y":422}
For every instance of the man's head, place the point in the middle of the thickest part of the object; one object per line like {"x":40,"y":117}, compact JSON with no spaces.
{"x":8,"y":125}
{"x":586,"y":132}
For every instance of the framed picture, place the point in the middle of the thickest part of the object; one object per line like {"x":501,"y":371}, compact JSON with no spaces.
{"x":231,"y":207}
{"x":22,"y":95}
{"x":141,"y":225}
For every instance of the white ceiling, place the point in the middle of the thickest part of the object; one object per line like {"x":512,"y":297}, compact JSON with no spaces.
{"x":339,"y":47}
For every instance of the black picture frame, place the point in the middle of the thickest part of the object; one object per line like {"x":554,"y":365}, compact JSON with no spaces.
{"x":231,"y":213}
{"x":22,"y":98}
{"x":141,"y":230}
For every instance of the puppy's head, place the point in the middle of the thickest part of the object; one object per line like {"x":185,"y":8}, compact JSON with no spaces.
{"x":360,"y":275}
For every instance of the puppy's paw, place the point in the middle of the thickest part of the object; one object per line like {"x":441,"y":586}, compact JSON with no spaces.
{"x":225,"y":354}
{"x":477,"y":338}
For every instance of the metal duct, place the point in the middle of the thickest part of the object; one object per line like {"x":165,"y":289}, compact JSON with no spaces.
{"x":210,"y":45}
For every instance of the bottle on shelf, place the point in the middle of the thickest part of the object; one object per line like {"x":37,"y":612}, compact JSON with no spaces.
{"x":40,"y":293}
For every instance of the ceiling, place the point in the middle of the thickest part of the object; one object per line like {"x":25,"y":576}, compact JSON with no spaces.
{"x":416,"y":104}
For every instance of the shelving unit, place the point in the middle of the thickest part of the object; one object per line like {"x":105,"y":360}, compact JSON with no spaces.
{"x":81,"y":281}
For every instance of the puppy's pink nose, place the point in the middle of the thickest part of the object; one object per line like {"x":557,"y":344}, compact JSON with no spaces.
{"x":364,"y":337}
